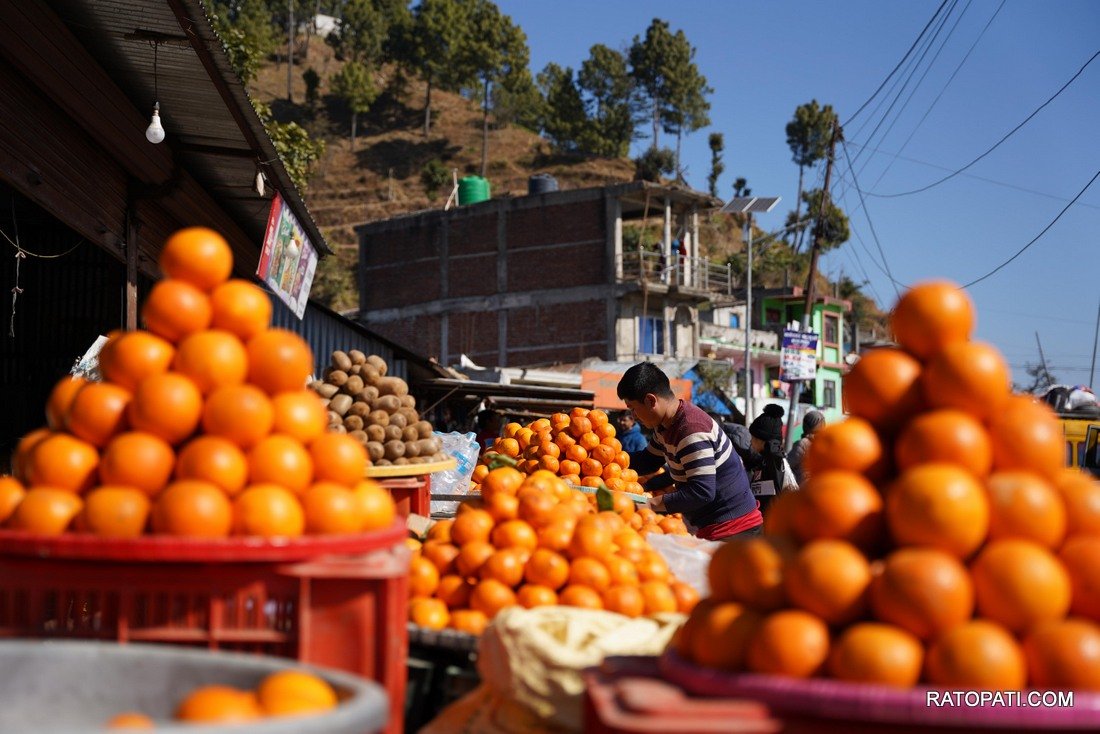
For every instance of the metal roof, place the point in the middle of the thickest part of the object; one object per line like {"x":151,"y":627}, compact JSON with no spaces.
{"x":212,"y":128}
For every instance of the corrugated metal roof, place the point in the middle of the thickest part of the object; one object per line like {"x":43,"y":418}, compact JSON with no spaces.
{"x":205,"y":108}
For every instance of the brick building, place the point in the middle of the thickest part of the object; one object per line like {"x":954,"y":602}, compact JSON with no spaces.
{"x":542,"y":279}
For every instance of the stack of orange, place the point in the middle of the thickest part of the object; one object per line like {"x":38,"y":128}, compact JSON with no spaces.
{"x":579,"y":446}
{"x":202,"y":425}
{"x":939,"y":538}
{"x":533,"y":540}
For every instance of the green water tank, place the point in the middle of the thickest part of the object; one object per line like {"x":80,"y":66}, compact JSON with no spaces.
{"x":472,"y":189}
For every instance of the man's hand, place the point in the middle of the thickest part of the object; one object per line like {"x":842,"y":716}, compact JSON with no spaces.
{"x":656,"y":502}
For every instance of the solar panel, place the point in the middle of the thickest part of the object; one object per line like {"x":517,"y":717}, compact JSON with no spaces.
{"x":750,"y":204}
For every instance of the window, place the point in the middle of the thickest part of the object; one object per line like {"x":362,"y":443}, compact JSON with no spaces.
{"x":773,"y":316}
{"x":652,"y":333}
{"x":832,"y":329}
{"x":735,"y":321}
{"x":828,"y":397}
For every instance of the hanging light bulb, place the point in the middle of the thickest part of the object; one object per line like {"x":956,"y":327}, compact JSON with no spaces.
{"x":155,"y":132}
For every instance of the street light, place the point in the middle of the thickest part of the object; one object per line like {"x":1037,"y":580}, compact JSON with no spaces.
{"x":749,"y":205}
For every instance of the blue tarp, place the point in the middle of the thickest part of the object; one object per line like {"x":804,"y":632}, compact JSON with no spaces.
{"x":706,"y":399}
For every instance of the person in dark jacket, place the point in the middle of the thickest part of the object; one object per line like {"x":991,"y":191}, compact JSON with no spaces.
{"x":711,"y":485}
{"x":630,"y":436}
{"x":811,"y":423}
{"x":771,"y":475}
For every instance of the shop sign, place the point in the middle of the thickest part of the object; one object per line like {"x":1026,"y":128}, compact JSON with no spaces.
{"x":288,"y":260}
{"x":799,"y":356}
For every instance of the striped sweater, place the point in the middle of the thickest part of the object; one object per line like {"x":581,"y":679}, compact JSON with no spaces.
{"x":711,"y":483}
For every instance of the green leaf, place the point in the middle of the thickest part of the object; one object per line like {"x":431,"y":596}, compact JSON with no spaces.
{"x":604,"y":499}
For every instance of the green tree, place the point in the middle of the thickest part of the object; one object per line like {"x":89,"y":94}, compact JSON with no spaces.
{"x":361,"y":32}
{"x":808,"y":135}
{"x":433,"y":44}
{"x":313,"y":87}
{"x":516,"y":99}
{"x":563,"y":118}
{"x":605,"y":81}
{"x":741,"y":187}
{"x":654,"y":163}
{"x":247,"y":32}
{"x":717,"y":145}
{"x":834,"y":225}
{"x":434,"y":175}
{"x":354,"y":85}
{"x":688,"y":110}
{"x":296,"y":149}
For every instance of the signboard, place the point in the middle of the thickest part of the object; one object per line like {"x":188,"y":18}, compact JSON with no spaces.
{"x":288,"y":259}
{"x":603,"y":386}
{"x":799,"y":360}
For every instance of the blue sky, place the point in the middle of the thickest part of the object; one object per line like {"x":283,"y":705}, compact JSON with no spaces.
{"x":763,"y":59}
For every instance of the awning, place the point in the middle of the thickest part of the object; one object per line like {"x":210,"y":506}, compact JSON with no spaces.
{"x":535,"y":398}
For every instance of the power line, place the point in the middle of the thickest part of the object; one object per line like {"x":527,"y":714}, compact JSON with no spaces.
{"x":903,"y":58}
{"x":867,"y":215}
{"x":1036,"y":238}
{"x":995,"y":145}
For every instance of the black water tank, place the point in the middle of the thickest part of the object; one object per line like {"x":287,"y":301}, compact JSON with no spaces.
{"x":541,"y":183}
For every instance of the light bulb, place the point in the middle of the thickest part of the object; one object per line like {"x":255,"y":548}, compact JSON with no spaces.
{"x":155,"y":132}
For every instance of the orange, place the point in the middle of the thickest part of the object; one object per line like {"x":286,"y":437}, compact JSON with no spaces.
{"x":243,"y":414}
{"x":969,"y":376}
{"x":1019,"y":584}
{"x":579,"y":425}
{"x":192,"y":508}
{"x":931,"y":315}
{"x":216,"y":460}
{"x":46,"y":511}
{"x":570,"y":471}
{"x":658,"y":597}
{"x":490,"y":596}
{"x":750,"y":571}
{"x":337,"y":457}
{"x":20,"y":458}
{"x":198,"y":255}
{"x":1023,"y":505}
{"x":924,"y":591}
{"x":1081,"y":495}
{"x":850,"y":445}
{"x":883,"y":388}
{"x":673,"y":526}
{"x":719,"y":635}
{"x":686,"y":596}
{"x":590,"y":538}
{"x":278,"y":361}
{"x":219,"y":705}
{"x":1064,"y":655}
{"x":139,"y":460}
{"x":947,"y":436}
{"x":584,"y":597}
{"x":514,"y":534}
{"x":12,"y":493}
{"x":589,"y":572}
{"x":472,"y":556}
{"x":441,"y":530}
{"x":61,"y":397}
{"x":1081,"y":558}
{"x":790,"y":642}
{"x":62,"y":461}
{"x":211,"y":358}
{"x":331,"y":508}
{"x":547,"y":568}
{"x":507,"y":446}
{"x":576,"y":454}
{"x":475,"y":525}
{"x":533,"y":595}
{"x":1027,"y":435}
{"x":175,"y":308}
{"x":977,"y":654}
{"x":98,"y":412}
{"x":938,"y":505}
{"x":299,"y":414}
{"x":423,"y":578}
{"x":454,"y":591}
{"x":281,"y":460}
{"x":626,"y":600}
{"x":829,"y":578}
{"x":502,"y":506}
{"x":683,"y":638}
{"x":129,"y":358}
{"x":114,"y":512}
{"x":429,"y":613}
{"x":871,"y":652}
{"x":779,"y":517}
{"x":470,"y":621}
{"x":290,"y":692}
{"x":557,"y":535}
{"x":591,"y":442}
{"x":536,"y":506}
{"x":377,"y":510}
{"x":269,"y":511}
{"x":652,"y":567}
{"x":130,"y":720}
{"x":506,"y":566}
{"x":840,"y":504}
{"x":549,"y":463}
{"x":441,"y":554}
{"x":241,"y":308}
{"x":167,"y":405}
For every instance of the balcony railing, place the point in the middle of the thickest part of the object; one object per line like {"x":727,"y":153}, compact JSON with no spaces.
{"x":735,"y":337}
{"x":697,"y":273}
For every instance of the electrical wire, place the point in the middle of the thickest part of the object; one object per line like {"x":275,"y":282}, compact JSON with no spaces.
{"x":1009,"y":134}
{"x":871,"y":224}
{"x":1036,"y":238}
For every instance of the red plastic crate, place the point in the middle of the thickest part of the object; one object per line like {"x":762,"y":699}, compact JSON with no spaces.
{"x":411,"y":494}
{"x":335,"y":601}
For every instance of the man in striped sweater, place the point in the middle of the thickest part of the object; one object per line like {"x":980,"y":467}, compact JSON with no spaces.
{"x":711,"y":485}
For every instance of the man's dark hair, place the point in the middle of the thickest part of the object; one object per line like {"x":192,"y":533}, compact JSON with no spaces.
{"x":642,"y":379}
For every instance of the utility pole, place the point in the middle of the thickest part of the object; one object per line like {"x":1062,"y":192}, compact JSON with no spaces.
{"x":1095,"y":338}
{"x":290,"y":51}
{"x":815,"y":252}
{"x":1043,"y":361}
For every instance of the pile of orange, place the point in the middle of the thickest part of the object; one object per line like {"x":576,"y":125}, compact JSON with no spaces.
{"x":939,"y":538}
{"x":532,"y":540}
{"x":284,"y":693}
{"x":201,"y":426}
{"x":579,"y":446}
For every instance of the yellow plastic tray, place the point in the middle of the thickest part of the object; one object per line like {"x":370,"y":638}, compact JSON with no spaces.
{"x":410,"y":470}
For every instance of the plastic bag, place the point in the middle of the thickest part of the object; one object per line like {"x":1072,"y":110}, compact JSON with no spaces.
{"x":453,"y":485}
{"x":687,"y":557}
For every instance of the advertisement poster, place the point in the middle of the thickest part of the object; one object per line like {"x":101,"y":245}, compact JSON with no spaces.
{"x":288,"y":260}
{"x":799,"y":360}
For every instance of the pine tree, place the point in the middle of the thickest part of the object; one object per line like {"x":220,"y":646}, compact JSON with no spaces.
{"x":808,"y":135}
{"x":834,"y":225}
{"x":354,"y":85}
{"x":434,"y":41}
{"x":248,"y":33}
{"x":717,"y":145}
{"x":604,"y":79}
{"x":361,"y":32}
{"x":563,"y":119}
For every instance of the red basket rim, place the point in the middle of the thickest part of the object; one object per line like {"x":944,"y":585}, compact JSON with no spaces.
{"x":858,"y":702}
{"x":167,"y":548}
